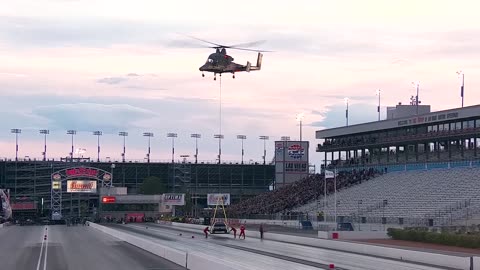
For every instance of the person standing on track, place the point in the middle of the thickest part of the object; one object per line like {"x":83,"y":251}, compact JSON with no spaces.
{"x":206,"y":232}
{"x":242,"y":232}
{"x":234,"y":232}
{"x":261,"y":231}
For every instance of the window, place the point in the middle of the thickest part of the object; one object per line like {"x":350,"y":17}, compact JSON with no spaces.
{"x":458,"y":125}
{"x":435,"y":128}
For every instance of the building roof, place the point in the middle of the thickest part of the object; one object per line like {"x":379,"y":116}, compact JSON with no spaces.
{"x":439,"y":116}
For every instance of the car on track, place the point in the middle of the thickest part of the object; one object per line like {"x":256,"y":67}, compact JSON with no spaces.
{"x":219,"y":227}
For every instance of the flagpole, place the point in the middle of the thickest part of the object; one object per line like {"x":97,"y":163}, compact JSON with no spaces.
{"x":325,"y":197}
{"x":335,"y":193}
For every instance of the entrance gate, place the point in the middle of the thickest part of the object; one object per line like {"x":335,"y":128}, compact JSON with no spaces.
{"x":76,"y":180}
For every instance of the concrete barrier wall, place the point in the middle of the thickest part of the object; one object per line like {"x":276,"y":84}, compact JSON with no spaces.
{"x":372,"y":250}
{"x":355,"y":235}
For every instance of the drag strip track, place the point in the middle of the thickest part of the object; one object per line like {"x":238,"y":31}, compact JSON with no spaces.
{"x":265,"y":253}
{"x":305,"y":255}
{"x":72,"y":248}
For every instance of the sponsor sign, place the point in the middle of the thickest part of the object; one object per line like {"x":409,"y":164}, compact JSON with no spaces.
{"x":107,"y":177}
{"x":296,"y":151}
{"x":217,"y":198}
{"x":296,"y":167}
{"x":109,"y":199}
{"x":89,"y":172}
{"x":81,"y":186}
{"x":174,"y":199}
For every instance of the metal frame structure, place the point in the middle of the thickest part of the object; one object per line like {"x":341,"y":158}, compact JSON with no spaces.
{"x":59,"y":176}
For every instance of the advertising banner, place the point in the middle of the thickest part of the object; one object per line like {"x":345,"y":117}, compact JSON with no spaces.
{"x":174,"y":199}
{"x":216,"y":198}
{"x":81,"y":186}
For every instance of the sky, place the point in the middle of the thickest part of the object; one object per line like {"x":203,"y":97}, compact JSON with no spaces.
{"x":129,"y":66}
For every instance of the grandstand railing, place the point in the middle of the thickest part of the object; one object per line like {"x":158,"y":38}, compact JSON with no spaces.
{"x":400,"y":139}
{"x":414,"y":166}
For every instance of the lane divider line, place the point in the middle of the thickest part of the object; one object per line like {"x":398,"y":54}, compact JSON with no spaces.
{"x":41,"y":252}
{"x":46,"y":250}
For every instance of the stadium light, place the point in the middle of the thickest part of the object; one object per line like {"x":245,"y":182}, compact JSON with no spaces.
{"x":98,"y":133}
{"x":378,"y":108}
{"x":300,"y":117}
{"x":196,"y":136}
{"x":264,"y":138}
{"x":219,"y":137}
{"x":173,"y":136}
{"x":285,"y":138}
{"x":123,"y":134}
{"x":149,"y":135}
{"x":242,"y":137}
{"x":462,"y":88}
{"x":71,"y":132}
{"x":45,"y":132}
{"x":16,"y":131}
{"x":346,"y":111}
{"x":417,"y":101}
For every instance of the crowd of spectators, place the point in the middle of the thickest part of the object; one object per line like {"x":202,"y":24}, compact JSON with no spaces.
{"x":299,"y":193}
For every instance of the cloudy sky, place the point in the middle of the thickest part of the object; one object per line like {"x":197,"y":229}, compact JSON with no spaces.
{"x":128,"y":66}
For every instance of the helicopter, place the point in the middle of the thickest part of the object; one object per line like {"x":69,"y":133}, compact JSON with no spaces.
{"x":220,"y":62}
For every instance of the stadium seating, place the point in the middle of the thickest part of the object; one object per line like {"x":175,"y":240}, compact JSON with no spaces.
{"x":299,"y":193}
{"x":422,"y":194}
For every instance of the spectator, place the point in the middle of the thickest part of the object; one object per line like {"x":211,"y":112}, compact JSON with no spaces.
{"x":299,"y":193}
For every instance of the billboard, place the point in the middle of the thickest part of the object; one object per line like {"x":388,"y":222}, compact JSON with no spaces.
{"x":291,"y":161}
{"x":216,"y":198}
{"x":174,"y":199}
{"x":81,"y":186}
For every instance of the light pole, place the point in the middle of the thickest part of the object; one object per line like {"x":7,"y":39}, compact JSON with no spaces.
{"x":417,"y":86}
{"x":265,"y":138}
{"x":123,"y":134}
{"x":173,"y":136}
{"x":45,"y":132}
{"x":242,"y":137}
{"x":196,"y":136}
{"x":98,"y":133}
{"x":462,"y":88}
{"x":285,"y":138}
{"x":71,"y":132}
{"x":300,"y":117}
{"x":378,"y":107}
{"x":16,"y":131}
{"x":346,"y":111}
{"x":219,"y":137}
{"x":358,"y":213}
{"x":149,"y":135}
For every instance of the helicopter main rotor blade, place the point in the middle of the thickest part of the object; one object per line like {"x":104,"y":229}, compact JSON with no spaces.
{"x":206,"y":41}
{"x":245,"y":49}
{"x":248,"y":44}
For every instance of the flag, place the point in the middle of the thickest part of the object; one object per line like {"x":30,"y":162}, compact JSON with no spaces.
{"x":329,"y":174}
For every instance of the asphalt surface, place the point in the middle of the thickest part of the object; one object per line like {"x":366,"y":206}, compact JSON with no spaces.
{"x":71,"y":248}
{"x":258,"y":253}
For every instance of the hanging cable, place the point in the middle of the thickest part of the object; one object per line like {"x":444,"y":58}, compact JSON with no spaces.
{"x":220,"y":123}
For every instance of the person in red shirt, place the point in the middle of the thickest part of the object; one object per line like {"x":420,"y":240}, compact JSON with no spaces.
{"x":206,"y":232}
{"x":234,"y":232}
{"x":242,"y":232}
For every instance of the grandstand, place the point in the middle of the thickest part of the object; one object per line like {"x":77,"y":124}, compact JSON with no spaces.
{"x":417,"y":197}
{"x":410,"y":169}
